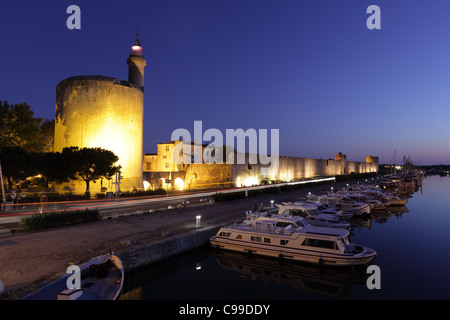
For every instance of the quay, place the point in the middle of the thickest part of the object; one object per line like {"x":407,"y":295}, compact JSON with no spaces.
{"x":30,"y":260}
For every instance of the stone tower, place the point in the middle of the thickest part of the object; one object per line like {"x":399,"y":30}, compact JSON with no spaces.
{"x":98,"y":111}
{"x":136,"y":65}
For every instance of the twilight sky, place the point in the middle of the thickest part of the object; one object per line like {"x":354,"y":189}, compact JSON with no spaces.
{"x":311,"y":69}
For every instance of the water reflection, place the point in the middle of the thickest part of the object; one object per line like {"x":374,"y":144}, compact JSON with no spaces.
{"x":332,"y":282}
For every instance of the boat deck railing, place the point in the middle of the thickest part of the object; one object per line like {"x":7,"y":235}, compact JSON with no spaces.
{"x":269,"y":229}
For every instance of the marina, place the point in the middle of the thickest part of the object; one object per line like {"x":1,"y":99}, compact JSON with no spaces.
{"x":409,"y":268}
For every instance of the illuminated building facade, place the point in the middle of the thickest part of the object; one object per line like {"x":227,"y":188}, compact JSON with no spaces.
{"x":161,"y":172}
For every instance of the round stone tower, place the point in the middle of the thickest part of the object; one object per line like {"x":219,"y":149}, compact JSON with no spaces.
{"x":98,"y":111}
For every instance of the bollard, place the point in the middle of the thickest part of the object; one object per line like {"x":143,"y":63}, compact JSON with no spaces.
{"x":198,"y":222}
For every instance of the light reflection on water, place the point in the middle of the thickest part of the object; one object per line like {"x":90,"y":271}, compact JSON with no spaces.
{"x":413,"y":255}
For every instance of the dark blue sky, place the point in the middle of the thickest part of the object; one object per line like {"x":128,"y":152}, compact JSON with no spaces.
{"x":311,"y":69}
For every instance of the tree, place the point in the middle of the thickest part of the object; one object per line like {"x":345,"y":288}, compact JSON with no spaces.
{"x":48,"y":134}
{"x":54,"y":166}
{"x":19,"y":127}
{"x":91,"y":164}
{"x":15,"y":164}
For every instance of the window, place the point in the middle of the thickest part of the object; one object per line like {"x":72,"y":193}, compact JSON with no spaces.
{"x":301,"y":213}
{"x":224,"y":234}
{"x":256,"y":238}
{"x":284,"y":242}
{"x":164,"y":157}
{"x":267,"y":240}
{"x":239,"y":236}
{"x":295,"y":212}
{"x":282,"y":224}
{"x":167,"y":165}
{"x":319,"y":243}
{"x":167,"y":148}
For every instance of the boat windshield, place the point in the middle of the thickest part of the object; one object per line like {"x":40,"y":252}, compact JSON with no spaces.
{"x":300,"y":223}
{"x":343,"y":241}
{"x":314,"y":212}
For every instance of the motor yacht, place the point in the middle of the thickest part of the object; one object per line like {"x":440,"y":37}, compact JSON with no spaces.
{"x":292,"y":238}
{"x":312,"y":214}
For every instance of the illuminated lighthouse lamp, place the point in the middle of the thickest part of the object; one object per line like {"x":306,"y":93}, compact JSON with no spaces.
{"x":136,"y":48}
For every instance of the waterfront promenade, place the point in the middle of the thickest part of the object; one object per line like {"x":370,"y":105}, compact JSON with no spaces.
{"x":29,"y":260}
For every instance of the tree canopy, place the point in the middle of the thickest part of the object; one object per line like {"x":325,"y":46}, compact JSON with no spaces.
{"x":19,"y":128}
{"x":90,"y":164}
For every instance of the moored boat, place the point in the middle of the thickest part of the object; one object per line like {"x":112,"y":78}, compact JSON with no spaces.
{"x":341,"y":202}
{"x":101,"y":278}
{"x":311,"y":214}
{"x":292,"y":238}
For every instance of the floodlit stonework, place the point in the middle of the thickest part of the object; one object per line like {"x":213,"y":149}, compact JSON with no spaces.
{"x":98,"y":111}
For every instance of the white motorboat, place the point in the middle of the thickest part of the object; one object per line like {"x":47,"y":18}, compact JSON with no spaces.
{"x":338,"y":213}
{"x":376,"y":194}
{"x":293,"y":238}
{"x":102,"y":278}
{"x":311,"y":214}
{"x":340,"y":202}
{"x":360,"y":197}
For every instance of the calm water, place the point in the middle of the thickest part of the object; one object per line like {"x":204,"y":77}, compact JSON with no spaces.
{"x":413,"y":256}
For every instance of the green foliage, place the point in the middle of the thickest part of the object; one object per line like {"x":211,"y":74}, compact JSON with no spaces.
{"x":54,"y":167}
{"x":49,"y":220}
{"x":16,"y":163}
{"x":19,"y":128}
{"x":48,"y":134}
{"x":90,"y":164}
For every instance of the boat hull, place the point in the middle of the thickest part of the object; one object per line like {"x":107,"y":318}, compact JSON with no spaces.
{"x":300,"y":255}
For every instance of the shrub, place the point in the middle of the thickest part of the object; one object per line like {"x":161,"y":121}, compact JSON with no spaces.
{"x":49,"y":220}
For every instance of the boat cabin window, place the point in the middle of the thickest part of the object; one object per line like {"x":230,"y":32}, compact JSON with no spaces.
{"x":256,"y":238}
{"x":314,"y":212}
{"x":267,"y":240}
{"x":284,"y":242}
{"x":319,"y":243}
{"x":283,"y":224}
{"x":224,"y":234}
{"x":239,"y":236}
{"x":295,"y":212}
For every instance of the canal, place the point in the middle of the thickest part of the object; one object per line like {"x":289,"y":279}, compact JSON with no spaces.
{"x":412,"y":243}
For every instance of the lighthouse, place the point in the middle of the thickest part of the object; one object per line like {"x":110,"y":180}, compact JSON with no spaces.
{"x":136,"y":64}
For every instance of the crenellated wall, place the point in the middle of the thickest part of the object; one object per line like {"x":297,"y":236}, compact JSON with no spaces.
{"x":289,"y":168}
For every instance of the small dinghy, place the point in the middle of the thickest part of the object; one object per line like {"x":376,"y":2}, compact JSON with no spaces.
{"x":100,"y":279}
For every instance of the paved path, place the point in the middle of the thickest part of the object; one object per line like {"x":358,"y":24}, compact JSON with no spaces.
{"x":33,"y":259}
